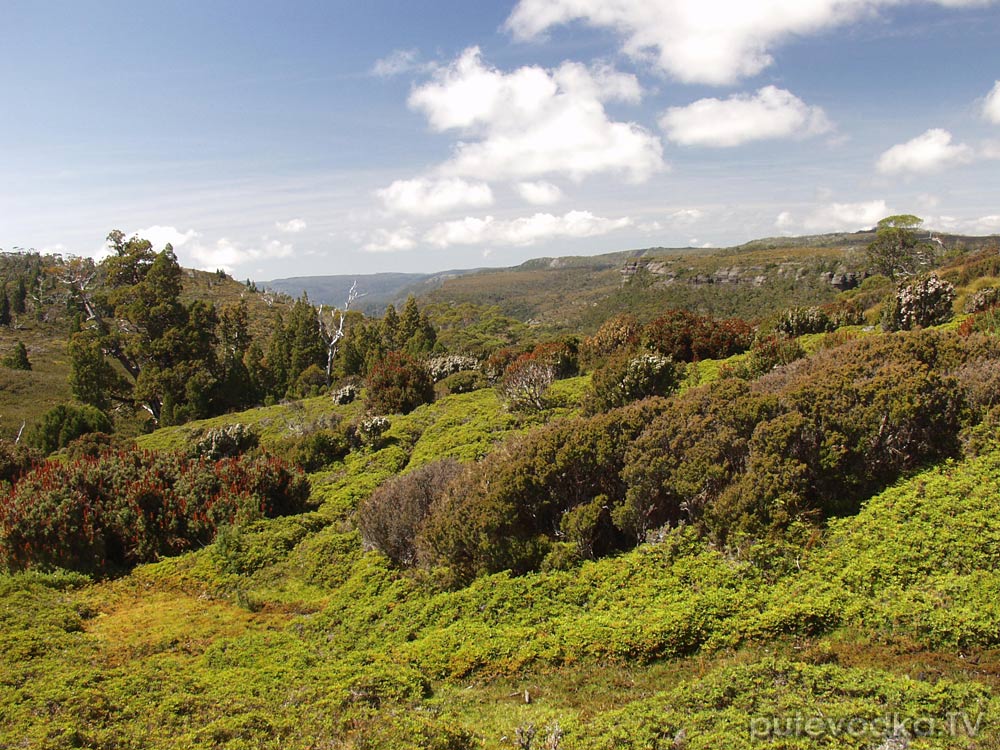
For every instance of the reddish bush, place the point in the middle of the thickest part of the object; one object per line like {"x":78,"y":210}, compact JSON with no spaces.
{"x":107,"y":514}
{"x":688,"y":337}
{"x":398,"y":384}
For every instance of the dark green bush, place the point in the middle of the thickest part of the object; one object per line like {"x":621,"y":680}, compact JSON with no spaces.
{"x":630,"y":377}
{"x":463,"y":382}
{"x":797,"y":321}
{"x":63,"y":424}
{"x":18,"y":358}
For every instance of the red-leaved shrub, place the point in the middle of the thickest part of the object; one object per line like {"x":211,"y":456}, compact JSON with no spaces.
{"x":107,"y":514}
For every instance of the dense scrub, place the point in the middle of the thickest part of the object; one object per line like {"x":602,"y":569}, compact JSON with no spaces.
{"x":107,"y":514}
{"x":734,"y":458}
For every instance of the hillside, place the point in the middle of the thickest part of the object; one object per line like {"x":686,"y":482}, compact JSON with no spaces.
{"x":668,"y":530}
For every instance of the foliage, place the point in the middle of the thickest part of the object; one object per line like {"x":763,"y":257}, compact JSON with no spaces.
{"x":504,"y":514}
{"x":15,"y":460}
{"x":616,"y":334}
{"x":767,"y":353}
{"x":797,"y":321}
{"x":398,"y":384}
{"x":630,"y":377}
{"x":919,"y":303}
{"x":228,"y":441}
{"x":688,"y":337}
{"x":108,"y":514}
{"x":525,"y":382}
{"x":896,"y":250}
{"x":65,"y":423}
{"x":982,"y":300}
{"x":18,"y":358}
{"x":390,"y":519}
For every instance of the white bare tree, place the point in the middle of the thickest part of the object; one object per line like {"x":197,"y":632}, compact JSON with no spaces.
{"x":332,"y":327}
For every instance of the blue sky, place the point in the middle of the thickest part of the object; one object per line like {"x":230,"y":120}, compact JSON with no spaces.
{"x":278,"y":139}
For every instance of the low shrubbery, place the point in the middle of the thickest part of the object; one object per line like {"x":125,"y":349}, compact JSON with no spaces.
{"x":688,"y":337}
{"x":733,"y":458}
{"x":105,"y":515}
{"x":398,"y":384}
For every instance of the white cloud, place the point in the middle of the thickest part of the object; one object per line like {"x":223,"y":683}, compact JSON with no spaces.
{"x":425,"y":197}
{"x":686,"y":216}
{"x":929,"y":152}
{"x":229,"y":254}
{"x":539,"y":193}
{"x":839,"y":217}
{"x":785,"y":221}
{"x":979,"y":226}
{"x":990,"y":150}
{"x":161,"y":236}
{"x":991,"y":106}
{"x":534,"y":122}
{"x":702,"y":41}
{"x":770,"y":113}
{"x":390,"y":241}
{"x":523,"y":231}
{"x":291,"y":226}
{"x":398,"y":62}
{"x":682,"y":218}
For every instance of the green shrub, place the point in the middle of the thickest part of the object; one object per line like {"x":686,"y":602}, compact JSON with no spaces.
{"x":228,"y":441}
{"x":15,"y":460}
{"x":18,"y":358}
{"x":463,"y":382}
{"x":797,"y":321}
{"x":63,"y":424}
{"x":631,"y":377}
{"x":617,"y":334}
{"x":766,"y":354}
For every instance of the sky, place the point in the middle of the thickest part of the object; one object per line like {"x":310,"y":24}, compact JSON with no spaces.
{"x":328,"y":137}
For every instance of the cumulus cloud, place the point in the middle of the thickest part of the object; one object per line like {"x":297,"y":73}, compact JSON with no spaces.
{"x":534,"y":122}
{"x":390,"y":240}
{"x":522,"y":231}
{"x":701,"y":41}
{"x":292,"y":226}
{"x":539,"y":193}
{"x":229,"y":254}
{"x":770,"y":113}
{"x":929,"y":152}
{"x":425,"y":197}
{"x":161,"y":236}
{"x":991,"y":106}
{"x":837,"y":217}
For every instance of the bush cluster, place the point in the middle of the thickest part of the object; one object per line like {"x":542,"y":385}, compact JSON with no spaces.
{"x":798,"y":321}
{"x":105,"y":515}
{"x":688,"y":337}
{"x":734,"y":459}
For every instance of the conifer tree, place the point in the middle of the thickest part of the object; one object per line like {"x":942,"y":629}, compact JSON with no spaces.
{"x":20,"y":296}
{"x":5,"y":318}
